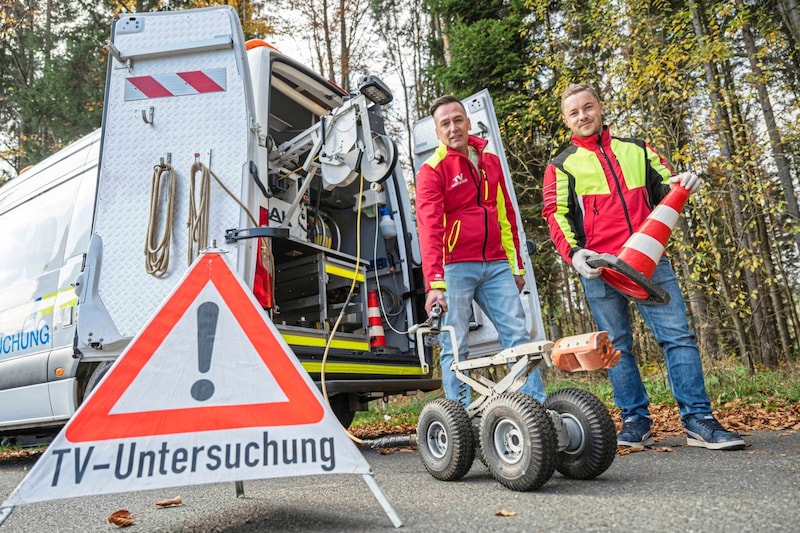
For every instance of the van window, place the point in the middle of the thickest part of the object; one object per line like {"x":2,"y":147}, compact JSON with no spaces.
{"x":34,"y":234}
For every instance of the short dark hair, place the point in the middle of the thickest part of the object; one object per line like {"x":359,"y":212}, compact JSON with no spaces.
{"x":576,"y":88}
{"x":446,"y":99}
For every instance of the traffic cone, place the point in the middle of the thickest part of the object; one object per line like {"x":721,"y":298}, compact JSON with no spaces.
{"x":630,"y":270}
{"x":377,"y":339}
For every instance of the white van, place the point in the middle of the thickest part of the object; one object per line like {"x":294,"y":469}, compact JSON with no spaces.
{"x":46,"y":221}
{"x":258,"y":155}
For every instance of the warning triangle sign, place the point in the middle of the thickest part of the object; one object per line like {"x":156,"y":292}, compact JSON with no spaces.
{"x":181,"y":342}
{"x":208,"y":392}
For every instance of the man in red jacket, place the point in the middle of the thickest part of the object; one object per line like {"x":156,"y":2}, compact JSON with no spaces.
{"x":470,"y":243}
{"x":597,"y":193}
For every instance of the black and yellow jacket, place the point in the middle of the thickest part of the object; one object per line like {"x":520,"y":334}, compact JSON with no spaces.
{"x":598,"y":192}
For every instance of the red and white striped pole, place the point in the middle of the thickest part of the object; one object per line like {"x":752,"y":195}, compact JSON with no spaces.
{"x":630,"y":270}
{"x":377,"y":338}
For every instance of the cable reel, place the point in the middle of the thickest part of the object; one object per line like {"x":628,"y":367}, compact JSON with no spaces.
{"x":350,"y":147}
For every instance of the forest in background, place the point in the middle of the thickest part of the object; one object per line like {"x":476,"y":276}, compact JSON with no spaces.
{"x":712,"y":85}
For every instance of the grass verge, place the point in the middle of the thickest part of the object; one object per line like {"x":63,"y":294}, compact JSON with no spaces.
{"x":725,"y":383}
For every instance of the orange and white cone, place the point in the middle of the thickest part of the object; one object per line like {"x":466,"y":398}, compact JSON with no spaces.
{"x":630,"y":270}
{"x":377,"y":338}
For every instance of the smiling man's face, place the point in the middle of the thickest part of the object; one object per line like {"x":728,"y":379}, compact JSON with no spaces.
{"x":452,"y":126}
{"x":583,"y":114}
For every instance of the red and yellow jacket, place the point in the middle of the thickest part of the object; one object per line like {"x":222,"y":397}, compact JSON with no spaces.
{"x":464,"y":213}
{"x":598,"y":192}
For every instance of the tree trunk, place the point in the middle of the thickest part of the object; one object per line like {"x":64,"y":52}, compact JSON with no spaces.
{"x":698,"y":304}
{"x":791,"y":19}
{"x":777,"y":316}
{"x":728,"y":300}
{"x":344,"y":46}
{"x":759,"y":303}
{"x":726,"y":146}
{"x":775,"y":140}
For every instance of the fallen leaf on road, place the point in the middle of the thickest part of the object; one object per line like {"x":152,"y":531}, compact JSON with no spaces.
{"x":169,"y":503}
{"x":663,"y":449}
{"x":389,"y":451}
{"x":121,"y":518}
{"x":733,"y":415}
{"x":505,"y":512}
{"x":625,"y":450}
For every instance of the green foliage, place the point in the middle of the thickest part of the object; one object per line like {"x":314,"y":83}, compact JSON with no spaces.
{"x":6,"y":448}
{"x":65,"y":101}
{"x":52,"y":69}
{"x":770,"y":388}
{"x":725,"y":382}
{"x":471,"y":12}
{"x":15,"y":450}
{"x":485,"y":53}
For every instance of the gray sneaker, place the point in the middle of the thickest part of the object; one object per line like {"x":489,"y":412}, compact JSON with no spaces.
{"x":704,"y":431}
{"x":635,"y":432}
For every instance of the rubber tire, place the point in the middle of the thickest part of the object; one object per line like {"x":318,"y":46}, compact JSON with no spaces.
{"x":593,"y":446}
{"x":340,"y":405}
{"x":96,"y":377}
{"x":535,"y":440}
{"x":476,"y":432}
{"x":445,"y":439}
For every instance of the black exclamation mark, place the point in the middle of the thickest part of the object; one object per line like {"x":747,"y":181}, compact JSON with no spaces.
{"x":207,"y":314}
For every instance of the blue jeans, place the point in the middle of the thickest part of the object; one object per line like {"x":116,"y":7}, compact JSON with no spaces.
{"x":671,"y":329}
{"x":492,"y":286}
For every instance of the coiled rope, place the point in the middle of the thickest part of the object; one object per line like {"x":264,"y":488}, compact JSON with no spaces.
{"x":199,"y":216}
{"x":156,"y":251}
{"x":162,"y":191}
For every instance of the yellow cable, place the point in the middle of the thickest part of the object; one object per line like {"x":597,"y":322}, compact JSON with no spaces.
{"x":384,"y":314}
{"x":344,"y":307}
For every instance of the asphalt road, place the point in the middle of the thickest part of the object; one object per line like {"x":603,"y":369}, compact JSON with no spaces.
{"x":686,"y":489}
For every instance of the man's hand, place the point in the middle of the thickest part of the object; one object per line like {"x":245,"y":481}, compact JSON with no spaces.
{"x":579,"y":259}
{"x":435,"y":296}
{"x":688,"y":180}
{"x":520,"y":281}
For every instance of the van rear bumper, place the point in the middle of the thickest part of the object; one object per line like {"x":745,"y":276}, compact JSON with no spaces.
{"x":381,"y":386}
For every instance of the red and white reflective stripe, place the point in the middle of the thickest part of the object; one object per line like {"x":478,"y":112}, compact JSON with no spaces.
{"x":175,"y":84}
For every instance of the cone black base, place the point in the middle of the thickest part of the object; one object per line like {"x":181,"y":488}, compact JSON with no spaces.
{"x":627,"y":280}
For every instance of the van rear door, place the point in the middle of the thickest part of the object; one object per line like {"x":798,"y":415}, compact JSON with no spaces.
{"x":480,"y":109}
{"x":178,"y":93}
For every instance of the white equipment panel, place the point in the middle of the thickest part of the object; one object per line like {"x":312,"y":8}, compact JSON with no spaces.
{"x":178,"y":91}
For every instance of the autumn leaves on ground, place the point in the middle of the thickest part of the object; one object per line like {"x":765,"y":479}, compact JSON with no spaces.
{"x":666,"y":423}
